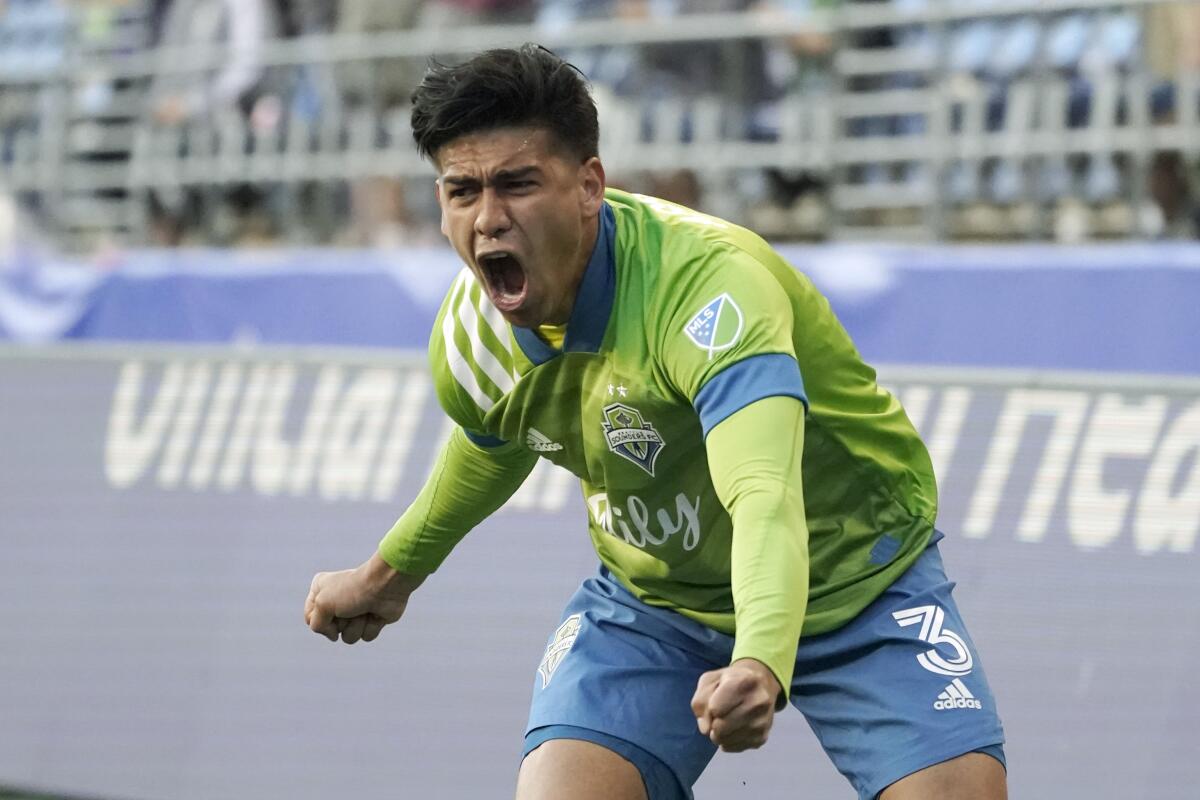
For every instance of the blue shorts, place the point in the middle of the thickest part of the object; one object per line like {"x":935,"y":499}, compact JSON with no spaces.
{"x":897,"y":689}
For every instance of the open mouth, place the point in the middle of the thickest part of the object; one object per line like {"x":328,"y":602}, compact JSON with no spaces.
{"x":505,"y":280}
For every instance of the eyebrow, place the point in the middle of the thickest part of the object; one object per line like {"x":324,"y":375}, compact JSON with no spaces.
{"x":502,"y":175}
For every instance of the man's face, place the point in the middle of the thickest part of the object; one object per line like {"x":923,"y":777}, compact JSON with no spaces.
{"x":523,"y":216}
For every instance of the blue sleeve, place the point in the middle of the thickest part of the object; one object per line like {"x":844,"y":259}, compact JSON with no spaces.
{"x":745,"y":381}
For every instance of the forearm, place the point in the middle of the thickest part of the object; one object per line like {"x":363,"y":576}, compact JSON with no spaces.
{"x":770,"y":578}
{"x":466,"y":485}
{"x":754,"y":458}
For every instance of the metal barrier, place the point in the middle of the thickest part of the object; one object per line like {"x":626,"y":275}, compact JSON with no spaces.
{"x":970,"y":119}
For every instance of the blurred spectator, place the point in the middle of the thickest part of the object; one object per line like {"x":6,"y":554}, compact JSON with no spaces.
{"x":789,"y":203}
{"x":97,"y":29}
{"x":382,"y":216}
{"x":233,"y":29}
{"x":378,"y":90}
{"x":734,"y":71}
{"x":223,"y":39}
{"x":33,"y":36}
{"x":741,"y":89}
{"x":457,"y":13}
{"x":1172,"y":47}
{"x":662,"y":83}
{"x":8,"y":228}
{"x":384,"y":83}
{"x":388,"y":82}
{"x":1172,"y":40}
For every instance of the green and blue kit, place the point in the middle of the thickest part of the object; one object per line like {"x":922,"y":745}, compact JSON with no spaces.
{"x":739,"y":462}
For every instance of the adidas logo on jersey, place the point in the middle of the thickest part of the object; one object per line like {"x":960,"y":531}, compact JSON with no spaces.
{"x":538,"y":442}
{"x":956,"y":695}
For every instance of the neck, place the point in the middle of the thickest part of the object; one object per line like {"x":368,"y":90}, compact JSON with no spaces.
{"x":587,"y":247}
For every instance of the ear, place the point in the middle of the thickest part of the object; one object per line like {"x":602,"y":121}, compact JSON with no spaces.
{"x":591,"y":186}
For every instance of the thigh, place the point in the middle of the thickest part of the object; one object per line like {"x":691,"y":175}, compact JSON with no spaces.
{"x":901,"y":687}
{"x":621,"y":674}
{"x":974,"y":776}
{"x":581,"y":770}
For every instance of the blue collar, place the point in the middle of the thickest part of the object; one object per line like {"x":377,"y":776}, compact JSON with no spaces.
{"x":593,"y":301}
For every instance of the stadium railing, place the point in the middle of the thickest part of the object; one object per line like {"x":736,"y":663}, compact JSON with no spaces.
{"x":923,"y":120}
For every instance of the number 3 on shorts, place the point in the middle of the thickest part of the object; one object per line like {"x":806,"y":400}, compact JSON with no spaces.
{"x":931,"y":619}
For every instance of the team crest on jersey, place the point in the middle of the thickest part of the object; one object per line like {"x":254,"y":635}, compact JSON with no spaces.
{"x":717,"y":326}
{"x":631,"y":437}
{"x":558,"y":648}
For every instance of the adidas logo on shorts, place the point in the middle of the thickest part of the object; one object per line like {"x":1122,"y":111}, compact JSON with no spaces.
{"x":956,"y":695}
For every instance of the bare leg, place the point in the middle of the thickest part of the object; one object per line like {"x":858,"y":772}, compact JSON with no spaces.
{"x":571,"y":768}
{"x":974,"y":776}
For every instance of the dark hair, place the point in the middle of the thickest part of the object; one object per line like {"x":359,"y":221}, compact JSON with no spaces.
{"x":528,"y":86}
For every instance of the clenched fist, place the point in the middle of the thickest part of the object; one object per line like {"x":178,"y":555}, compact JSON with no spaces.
{"x":735,"y":706}
{"x":356,"y":603}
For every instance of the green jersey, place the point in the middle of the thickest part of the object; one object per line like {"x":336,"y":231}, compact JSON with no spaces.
{"x":681,"y":320}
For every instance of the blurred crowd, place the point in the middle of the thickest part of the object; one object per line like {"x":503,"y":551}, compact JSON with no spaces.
{"x":985,"y":58}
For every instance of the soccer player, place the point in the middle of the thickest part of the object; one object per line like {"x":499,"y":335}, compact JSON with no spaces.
{"x":762,"y":510}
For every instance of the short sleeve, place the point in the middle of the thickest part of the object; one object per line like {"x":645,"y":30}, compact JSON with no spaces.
{"x":727,"y":335}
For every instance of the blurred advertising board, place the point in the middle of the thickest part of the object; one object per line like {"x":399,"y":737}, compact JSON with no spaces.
{"x":1116,"y":307}
{"x":164,"y":509}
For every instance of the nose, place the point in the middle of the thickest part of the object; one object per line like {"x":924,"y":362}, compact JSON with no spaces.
{"x":491,"y":217}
